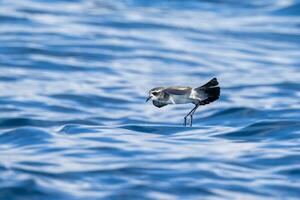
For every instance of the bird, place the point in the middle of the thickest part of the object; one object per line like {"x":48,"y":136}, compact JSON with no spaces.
{"x":199,"y":96}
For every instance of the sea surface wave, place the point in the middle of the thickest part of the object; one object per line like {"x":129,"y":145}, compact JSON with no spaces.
{"x":74,"y":76}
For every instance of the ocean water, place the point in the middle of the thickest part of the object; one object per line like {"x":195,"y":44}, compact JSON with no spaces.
{"x":74,"y":76}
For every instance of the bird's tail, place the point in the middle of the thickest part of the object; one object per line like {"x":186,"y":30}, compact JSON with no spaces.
{"x":210,"y":90}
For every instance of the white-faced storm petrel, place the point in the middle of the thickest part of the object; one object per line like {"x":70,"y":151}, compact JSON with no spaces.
{"x":207,"y":93}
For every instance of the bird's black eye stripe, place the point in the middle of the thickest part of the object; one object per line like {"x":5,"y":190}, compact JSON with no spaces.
{"x":154,"y":93}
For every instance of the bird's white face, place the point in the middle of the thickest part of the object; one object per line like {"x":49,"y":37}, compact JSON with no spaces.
{"x":154,"y":93}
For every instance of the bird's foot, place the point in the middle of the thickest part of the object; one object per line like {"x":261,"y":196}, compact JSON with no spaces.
{"x":184,"y":123}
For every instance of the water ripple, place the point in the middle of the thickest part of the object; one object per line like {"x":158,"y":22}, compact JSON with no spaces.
{"x":269,"y":130}
{"x":21,"y":136}
{"x":74,"y":76}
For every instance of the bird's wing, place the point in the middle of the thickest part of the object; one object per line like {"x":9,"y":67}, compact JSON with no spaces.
{"x":208,"y":92}
{"x":159,"y":104}
{"x":178,"y":90}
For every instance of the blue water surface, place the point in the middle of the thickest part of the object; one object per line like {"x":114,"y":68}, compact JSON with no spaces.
{"x":74,"y":76}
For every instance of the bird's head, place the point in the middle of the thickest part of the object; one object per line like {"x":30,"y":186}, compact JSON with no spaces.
{"x":155,"y":93}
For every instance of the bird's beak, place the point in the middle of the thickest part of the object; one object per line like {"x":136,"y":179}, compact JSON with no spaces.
{"x":148,"y":99}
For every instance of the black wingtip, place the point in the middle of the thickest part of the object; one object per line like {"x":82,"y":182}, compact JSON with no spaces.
{"x":212,"y":91}
{"x":213,"y":94}
{"x":212,"y":83}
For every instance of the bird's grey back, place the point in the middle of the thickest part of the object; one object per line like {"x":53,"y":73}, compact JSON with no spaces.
{"x":178,"y":90}
{"x":178,"y":95}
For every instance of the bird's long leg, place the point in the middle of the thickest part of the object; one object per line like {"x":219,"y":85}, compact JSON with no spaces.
{"x":193,"y":110}
{"x":192,"y":113}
